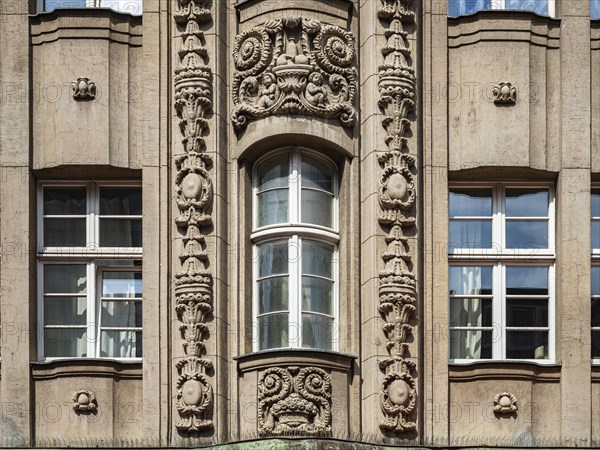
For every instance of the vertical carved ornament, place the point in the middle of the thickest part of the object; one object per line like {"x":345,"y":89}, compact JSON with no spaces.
{"x":397,"y":197}
{"x":194,"y":197}
{"x":294,"y":401}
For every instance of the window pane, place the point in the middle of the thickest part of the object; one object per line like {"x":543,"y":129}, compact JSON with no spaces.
{"x":121,"y":344}
{"x":273,"y":331}
{"x":317,"y":208}
{"x":596,"y":199}
{"x":470,"y":202}
{"x":64,"y":233}
{"x":64,"y":279}
{"x":133,"y":7}
{"x":536,"y":6}
{"x":462,"y":7}
{"x":595,"y":280}
{"x":526,"y":280}
{"x":120,"y":233}
{"x":467,"y":280}
{"x":527,"y":202}
{"x":470,"y":312}
{"x":595,"y":344}
{"x":317,"y":332}
{"x":526,"y":234}
{"x":272,"y":295}
{"x":121,"y":313}
{"x":65,"y":342}
{"x":595,"y":9}
{"x":596,"y":313}
{"x":470,"y":234}
{"x":273,"y":173}
{"x":317,"y":295}
{"x":527,"y":344}
{"x":526,"y":313}
{"x":64,"y":201}
{"x":272,"y":207}
{"x":316,"y":174}
{"x":595,"y":234}
{"x":51,"y":5}
{"x":273,"y":258}
{"x":121,"y":284}
{"x":65,"y":311}
{"x":121,"y":201}
{"x":472,"y":344}
{"x":317,"y":258}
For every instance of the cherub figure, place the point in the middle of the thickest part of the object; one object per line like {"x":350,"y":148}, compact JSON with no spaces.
{"x":269,"y":92}
{"x":315,"y":91}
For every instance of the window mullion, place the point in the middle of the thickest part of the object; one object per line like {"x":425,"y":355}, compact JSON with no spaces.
{"x":498,"y":304}
{"x":294,"y":325}
{"x":91,"y":310}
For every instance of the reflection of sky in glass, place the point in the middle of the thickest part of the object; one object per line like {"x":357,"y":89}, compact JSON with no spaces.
{"x":595,"y":9}
{"x":596,"y":200}
{"x":471,"y":202}
{"x":126,"y":284}
{"x":526,"y":280}
{"x":526,"y":202}
{"x":124,"y":6}
{"x":595,"y":280}
{"x":462,"y":7}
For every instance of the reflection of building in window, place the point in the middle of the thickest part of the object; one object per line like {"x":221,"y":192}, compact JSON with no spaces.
{"x":295,"y":241}
{"x":462,"y":7}
{"x":133,"y":7}
{"x":501,"y":272}
{"x":89,"y":275}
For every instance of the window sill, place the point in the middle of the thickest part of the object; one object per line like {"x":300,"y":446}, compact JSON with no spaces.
{"x":504,"y":370}
{"x":295,"y":356}
{"x":78,"y":367}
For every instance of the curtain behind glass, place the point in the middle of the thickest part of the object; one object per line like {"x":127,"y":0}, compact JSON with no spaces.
{"x":463,"y":7}
{"x":468,"y":343}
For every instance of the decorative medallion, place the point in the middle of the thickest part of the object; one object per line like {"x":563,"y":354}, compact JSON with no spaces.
{"x":294,"y":65}
{"x":294,"y":401}
{"x":84,"y":401}
{"x":194,"y":197}
{"x":504,"y":93}
{"x":505,"y":403}
{"x":397,"y":198}
{"x":83,"y":89}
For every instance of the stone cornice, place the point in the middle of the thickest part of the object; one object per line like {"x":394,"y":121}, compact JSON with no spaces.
{"x":86,"y":368}
{"x":299,"y":357}
{"x":505,"y":371}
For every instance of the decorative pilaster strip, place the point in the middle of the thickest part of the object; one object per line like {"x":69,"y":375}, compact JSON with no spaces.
{"x":397,"y":197}
{"x":194,"y":197}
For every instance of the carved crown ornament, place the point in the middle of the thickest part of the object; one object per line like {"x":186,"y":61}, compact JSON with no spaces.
{"x":504,"y":93}
{"x":84,"y":401}
{"x":294,"y":401}
{"x":294,"y":65}
{"x":505,"y":403}
{"x":83,"y":89}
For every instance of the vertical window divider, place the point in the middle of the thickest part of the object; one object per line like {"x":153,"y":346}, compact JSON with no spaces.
{"x":91,"y":313}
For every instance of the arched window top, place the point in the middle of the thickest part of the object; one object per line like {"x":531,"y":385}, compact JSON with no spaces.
{"x":464,"y":7}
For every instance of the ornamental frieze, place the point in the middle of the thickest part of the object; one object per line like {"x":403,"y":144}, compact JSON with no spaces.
{"x":294,"y":401}
{"x":294,"y":65}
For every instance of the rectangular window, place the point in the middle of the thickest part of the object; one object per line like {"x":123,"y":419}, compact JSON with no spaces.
{"x":89,"y":271}
{"x":133,"y":7}
{"x":463,"y":7}
{"x":595,"y":9}
{"x":595,"y":244}
{"x":501,"y":249}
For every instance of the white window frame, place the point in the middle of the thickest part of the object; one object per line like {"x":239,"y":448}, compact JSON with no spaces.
{"x":96,"y":259}
{"x":295,"y":231}
{"x":500,"y":258}
{"x":595,"y":261}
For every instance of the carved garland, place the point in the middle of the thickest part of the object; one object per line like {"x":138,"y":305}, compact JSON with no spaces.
{"x":294,"y":401}
{"x":294,"y":65}
{"x":397,"y":287}
{"x":194,"y":196}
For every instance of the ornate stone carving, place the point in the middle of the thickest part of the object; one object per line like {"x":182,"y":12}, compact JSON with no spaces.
{"x":84,"y":89}
{"x":294,"y":400}
{"x":397,"y":197}
{"x":294,"y":65}
{"x":84,"y":401}
{"x":504,"y":93}
{"x":194,"y":197}
{"x":505,"y":403}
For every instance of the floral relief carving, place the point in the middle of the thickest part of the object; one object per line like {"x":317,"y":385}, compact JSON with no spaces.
{"x":294,"y":400}
{"x":84,"y":401}
{"x":83,"y":89}
{"x":194,"y":197}
{"x":397,"y":198}
{"x":504,"y":93}
{"x":505,"y":403}
{"x":294,"y":65}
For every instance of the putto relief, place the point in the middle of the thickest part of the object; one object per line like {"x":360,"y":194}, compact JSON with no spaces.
{"x":294,"y":65}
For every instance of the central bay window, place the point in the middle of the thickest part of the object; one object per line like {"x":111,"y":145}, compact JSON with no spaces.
{"x":463,"y":7}
{"x":295,"y":243}
{"x":501,"y":250}
{"x":89,"y":270}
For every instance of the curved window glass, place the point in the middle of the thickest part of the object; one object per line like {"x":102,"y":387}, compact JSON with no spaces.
{"x":463,"y":7}
{"x":133,"y":7}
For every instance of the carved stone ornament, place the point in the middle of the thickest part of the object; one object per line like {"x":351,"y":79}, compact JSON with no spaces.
{"x":504,"y":93}
{"x":294,"y":400}
{"x":505,"y":403}
{"x":84,"y":89}
{"x":84,"y":401}
{"x":194,"y":197}
{"x":397,"y":198}
{"x":294,"y":65}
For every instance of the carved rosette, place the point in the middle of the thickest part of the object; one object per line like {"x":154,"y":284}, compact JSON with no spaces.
{"x":397,"y":198}
{"x":84,"y":401}
{"x":504,"y":93}
{"x":83,"y":89}
{"x":505,"y":403}
{"x":194,"y":197}
{"x":294,"y":401}
{"x":294,"y":65}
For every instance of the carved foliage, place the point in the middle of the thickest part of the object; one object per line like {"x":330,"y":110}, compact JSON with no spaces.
{"x":294,"y":401}
{"x":294,"y":65}
{"x":83,"y":89}
{"x":194,"y":197}
{"x":504,"y":93}
{"x":84,"y":401}
{"x":505,"y":403}
{"x":397,"y":197}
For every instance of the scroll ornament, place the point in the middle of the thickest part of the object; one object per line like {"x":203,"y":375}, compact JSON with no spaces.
{"x":294,"y":401}
{"x":194,"y":197}
{"x":294,"y":65}
{"x":397,"y":198}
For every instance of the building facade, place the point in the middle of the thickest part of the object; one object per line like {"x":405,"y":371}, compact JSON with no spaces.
{"x":343,"y":222}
